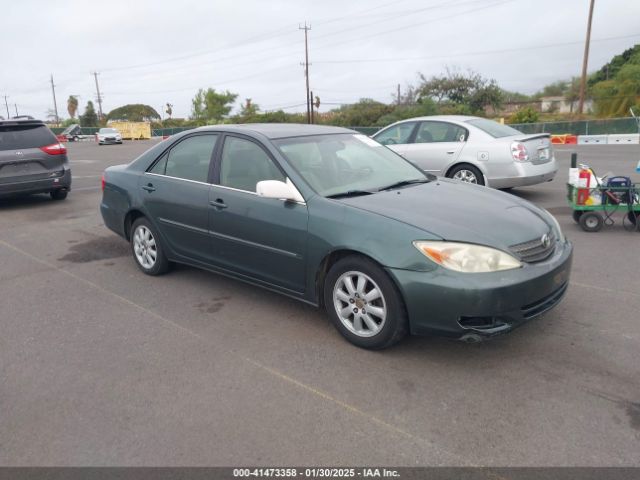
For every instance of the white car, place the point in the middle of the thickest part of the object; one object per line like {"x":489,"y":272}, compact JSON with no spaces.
{"x":109,"y":135}
{"x":472,"y":149}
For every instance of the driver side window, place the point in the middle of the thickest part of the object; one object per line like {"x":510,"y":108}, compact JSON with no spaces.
{"x":397,"y":135}
{"x":244,"y":164}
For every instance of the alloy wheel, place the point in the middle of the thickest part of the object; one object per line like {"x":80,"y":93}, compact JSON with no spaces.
{"x":466,"y":176}
{"x":360,"y":304}
{"x":144,"y":247}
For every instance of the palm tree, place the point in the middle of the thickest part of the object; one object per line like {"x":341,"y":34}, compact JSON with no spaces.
{"x":72,"y":106}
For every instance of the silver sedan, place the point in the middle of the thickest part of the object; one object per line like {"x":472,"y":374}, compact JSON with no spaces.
{"x":472,"y":149}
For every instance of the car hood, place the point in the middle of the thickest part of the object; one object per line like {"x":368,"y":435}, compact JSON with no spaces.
{"x":110,"y":134}
{"x":460,"y":212}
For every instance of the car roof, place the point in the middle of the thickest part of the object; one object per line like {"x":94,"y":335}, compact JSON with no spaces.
{"x":454,"y":118}
{"x":279,"y":130}
{"x":20,"y":121}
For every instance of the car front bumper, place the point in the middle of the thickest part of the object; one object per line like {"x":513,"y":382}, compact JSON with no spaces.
{"x":460,"y":305}
{"x":517,"y":174}
{"x":104,"y":141}
{"x":26,"y":186}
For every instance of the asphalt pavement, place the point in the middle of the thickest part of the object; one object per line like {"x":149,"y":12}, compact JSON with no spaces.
{"x":101,"y":365}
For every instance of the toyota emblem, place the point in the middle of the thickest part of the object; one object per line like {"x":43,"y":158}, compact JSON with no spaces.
{"x":545,"y":240}
{"x":19,"y":153}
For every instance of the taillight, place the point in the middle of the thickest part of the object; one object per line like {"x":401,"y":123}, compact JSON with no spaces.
{"x":54,"y":149}
{"x":519,"y":152}
{"x":102,"y":182}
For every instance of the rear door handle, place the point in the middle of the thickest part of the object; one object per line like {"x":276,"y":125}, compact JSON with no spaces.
{"x":149,"y":187}
{"x":218,"y":203}
{"x":451,"y":152}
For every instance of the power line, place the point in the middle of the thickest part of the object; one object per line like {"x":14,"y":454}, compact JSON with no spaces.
{"x":468,"y":54}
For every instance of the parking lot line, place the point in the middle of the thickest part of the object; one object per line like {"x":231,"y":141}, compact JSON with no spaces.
{"x":268,"y":370}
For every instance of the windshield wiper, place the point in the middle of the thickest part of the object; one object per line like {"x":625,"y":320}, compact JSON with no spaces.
{"x":405,"y":182}
{"x":350,"y":193}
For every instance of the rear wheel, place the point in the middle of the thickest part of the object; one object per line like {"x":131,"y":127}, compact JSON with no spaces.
{"x":364,"y":303}
{"x":59,"y":194}
{"x":467,"y":174}
{"x":147,"y":249}
{"x":576,"y":215}
{"x":591,"y":221}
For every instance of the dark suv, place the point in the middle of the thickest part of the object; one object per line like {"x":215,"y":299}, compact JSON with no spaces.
{"x":32,"y":160}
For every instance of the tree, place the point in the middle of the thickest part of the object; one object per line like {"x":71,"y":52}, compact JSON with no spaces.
{"x":461,"y":92}
{"x":364,"y":113}
{"x":524,"y":115}
{"x":209,"y":106}
{"x":426,"y":106}
{"x":611,"y":69}
{"x":572,"y":92}
{"x":72,"y":106}
{"x":169,"y":109}
{"x":248,"y":112}
{"x":555,"y":89}
{"x":136,"y":112}
{"x":90,"y":118}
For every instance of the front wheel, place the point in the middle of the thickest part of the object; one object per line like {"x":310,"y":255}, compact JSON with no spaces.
{"x":467,"y":174}
{"x":591,"y":221}
{"x":364,"y":303}
{"x":147,"y":249}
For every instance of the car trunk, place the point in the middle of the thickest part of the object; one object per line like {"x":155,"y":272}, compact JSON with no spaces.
{"x":538,"y":146}
{"x":21,"y":158}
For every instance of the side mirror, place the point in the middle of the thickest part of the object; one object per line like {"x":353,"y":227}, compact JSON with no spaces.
{"x":279,"y":190}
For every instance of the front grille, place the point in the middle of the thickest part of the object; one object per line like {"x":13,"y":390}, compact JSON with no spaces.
{"x":544,"y":304}
{"x":535,"y":250}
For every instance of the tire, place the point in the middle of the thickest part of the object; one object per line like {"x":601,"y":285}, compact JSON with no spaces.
{"x":375,"y":331}
{"x":59,"y":194}
{"x":576,"y":215}
{"x":145,"y":242}
{"x":466,"y":173}
{"x":591,"y":221}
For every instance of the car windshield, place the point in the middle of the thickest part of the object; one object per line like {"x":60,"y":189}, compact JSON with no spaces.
{"x":495,"y":129}
{"x":342,"y":164}
{"x":108,"y":130}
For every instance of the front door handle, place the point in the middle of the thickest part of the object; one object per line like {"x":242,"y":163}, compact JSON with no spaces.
{"x":149,"y":187}
{"x":451,"y":152}
{"x":218,"y":203}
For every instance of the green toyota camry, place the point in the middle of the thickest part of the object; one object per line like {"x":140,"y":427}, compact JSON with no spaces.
{"x":334,"y":219}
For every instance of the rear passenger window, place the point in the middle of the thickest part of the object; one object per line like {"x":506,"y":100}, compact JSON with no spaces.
{"x":189,"y":159}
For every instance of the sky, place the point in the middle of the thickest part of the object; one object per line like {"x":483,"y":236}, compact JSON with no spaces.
{"x":157,"y":51}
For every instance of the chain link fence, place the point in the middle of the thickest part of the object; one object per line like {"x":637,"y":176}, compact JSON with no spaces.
{"x":583,"y":127}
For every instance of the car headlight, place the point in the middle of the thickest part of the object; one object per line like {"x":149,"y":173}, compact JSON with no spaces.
{"x":556,"y":228}
{"x":466,"y":257}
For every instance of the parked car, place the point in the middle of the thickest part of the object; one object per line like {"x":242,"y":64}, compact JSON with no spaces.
{"x":333,"y":218}
{"x":109,"y":135}
{"x":32,"y":160}
{"x":473,"y":150}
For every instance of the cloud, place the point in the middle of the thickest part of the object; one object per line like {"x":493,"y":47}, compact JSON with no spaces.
{"x":158,"y":51}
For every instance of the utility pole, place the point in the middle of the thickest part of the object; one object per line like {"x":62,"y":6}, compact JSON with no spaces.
{"x":7,"y":105}
{"x":306,"y":67}
{"x":99,"y":97}
{"x":55,"y":104}
{"x":16,"y":105}
{"x":311,"y":105}
{"x":585,"y":60}
{"x":398,"y":94}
